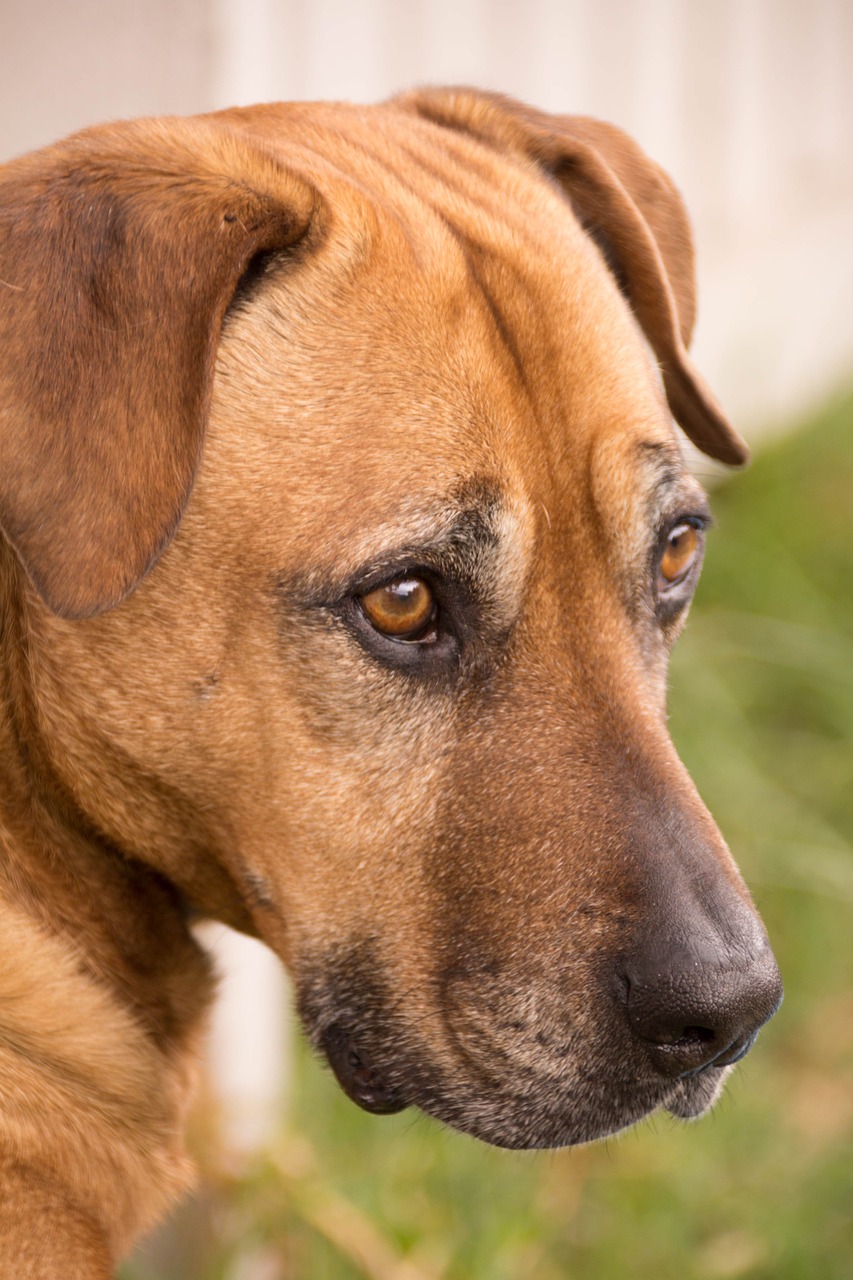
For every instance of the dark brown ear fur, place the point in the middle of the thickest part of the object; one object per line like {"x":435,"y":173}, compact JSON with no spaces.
{"x":120,"y":249}
{"x":636,"y":216}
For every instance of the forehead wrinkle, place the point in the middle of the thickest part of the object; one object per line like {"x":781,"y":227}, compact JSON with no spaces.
{"x":386,"y":186}
{"x":471,"y":254}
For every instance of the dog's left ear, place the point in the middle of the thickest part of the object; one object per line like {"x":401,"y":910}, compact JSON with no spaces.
{"x":120,"y":251}
{"x":632,"y":210}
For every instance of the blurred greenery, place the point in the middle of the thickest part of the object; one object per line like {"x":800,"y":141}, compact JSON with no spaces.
{"x":762,"y":712}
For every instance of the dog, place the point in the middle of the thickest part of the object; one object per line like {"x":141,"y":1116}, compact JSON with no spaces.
{"x":346,"y":532}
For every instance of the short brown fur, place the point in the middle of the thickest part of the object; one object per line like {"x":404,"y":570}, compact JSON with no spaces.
{"x":252,"y":363}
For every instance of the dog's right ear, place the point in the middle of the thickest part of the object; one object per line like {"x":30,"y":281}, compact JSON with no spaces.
{"x":120,"y":250}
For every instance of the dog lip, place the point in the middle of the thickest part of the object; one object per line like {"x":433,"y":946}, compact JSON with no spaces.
{"x":696,"y":1094}
{"x":360,"y":1082}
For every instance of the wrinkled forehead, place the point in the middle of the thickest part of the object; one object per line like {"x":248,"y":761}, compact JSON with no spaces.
{"x":456,"y":333}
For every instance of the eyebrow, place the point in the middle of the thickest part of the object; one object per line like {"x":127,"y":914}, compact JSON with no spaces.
{"x":457,"y":539}
{"x":670,"y":476}
{"x":663,"y":456}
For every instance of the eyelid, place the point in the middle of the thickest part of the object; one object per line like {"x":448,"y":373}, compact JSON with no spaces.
{"x":700,"y":518}
{"x":381,"y":574}
{"x":701,"y":521}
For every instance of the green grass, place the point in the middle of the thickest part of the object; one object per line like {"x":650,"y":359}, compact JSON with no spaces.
{"x":762,"y":712}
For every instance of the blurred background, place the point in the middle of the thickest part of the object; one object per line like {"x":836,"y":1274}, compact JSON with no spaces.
{"x":749,"y":104}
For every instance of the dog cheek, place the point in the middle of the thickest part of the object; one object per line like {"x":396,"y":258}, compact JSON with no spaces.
{"x":349,"y":862}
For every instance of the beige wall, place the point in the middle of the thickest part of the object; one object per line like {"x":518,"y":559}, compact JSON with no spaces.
{"x":69,"y":63}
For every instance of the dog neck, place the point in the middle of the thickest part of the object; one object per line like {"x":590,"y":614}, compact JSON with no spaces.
{"x":128,"y":925}
{"x":103,"y":995}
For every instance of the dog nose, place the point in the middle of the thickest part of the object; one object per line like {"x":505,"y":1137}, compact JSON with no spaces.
{"x":693,"y":1011}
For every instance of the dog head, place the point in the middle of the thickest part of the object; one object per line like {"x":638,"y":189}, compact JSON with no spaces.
{"x":386,"y":395}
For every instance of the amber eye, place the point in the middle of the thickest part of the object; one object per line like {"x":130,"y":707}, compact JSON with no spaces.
{"x":678,"y":555}
{"x":402,"y":609}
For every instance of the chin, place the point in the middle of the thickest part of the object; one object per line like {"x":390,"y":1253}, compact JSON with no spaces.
{"x":528,"y":1113}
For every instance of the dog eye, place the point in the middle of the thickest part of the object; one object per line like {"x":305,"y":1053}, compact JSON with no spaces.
{"x":679,"y":554}
{"x":404,"y":609}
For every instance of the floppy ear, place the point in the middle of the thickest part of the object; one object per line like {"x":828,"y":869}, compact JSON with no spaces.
{"x":633,"y":211}
{"x":120,"y":250}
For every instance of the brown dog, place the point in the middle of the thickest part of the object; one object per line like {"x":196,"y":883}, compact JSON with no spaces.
{"x":369,"y":393}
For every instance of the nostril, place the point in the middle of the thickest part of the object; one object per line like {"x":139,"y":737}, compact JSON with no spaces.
{"x":695,"y":1036}
{"x":676,"y":1036}
{"x":681,"y":1050}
